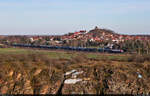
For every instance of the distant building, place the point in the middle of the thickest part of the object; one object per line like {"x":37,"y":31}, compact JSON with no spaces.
{"x":96,"y":28}
{"x":31,"y":39}
{"x":83,"y":31}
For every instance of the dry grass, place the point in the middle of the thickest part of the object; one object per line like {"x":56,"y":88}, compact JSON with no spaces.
{"x":104,"y":66}
{"x":139,"y":58}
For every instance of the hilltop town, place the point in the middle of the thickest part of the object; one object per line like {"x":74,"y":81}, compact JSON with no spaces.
{"x":96,"y":37}
{"x":99,"y":61}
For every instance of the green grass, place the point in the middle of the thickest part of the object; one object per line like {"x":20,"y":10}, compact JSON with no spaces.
{"x":13,"y":51}
{"x":61,"y":54}
{"x":115,"y":57}
{"x":51,"y":54}
{"x":107,"y":56}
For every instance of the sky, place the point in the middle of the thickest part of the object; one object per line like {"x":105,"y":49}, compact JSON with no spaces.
{"x":57,"y":17}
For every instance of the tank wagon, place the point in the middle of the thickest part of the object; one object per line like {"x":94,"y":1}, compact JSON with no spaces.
{"x":100,"y":50}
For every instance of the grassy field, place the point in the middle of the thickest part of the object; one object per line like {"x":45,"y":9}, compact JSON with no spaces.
{"x":52,"y":54}
{"x":63,"y":54}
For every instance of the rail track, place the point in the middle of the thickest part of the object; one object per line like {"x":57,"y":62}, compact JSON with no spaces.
{"x":80,"y":49}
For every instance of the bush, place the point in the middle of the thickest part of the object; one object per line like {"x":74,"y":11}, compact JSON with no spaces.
{"x":79,"y":59}
{"x":147,"y":57}
{"x":139,"y":58}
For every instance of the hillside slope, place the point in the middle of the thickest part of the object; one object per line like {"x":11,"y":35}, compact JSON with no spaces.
{"x":100,"y":32}
{"x":40,"y":74}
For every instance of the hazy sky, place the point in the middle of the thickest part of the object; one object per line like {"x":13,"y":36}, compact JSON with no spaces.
{"x":63,"y":16}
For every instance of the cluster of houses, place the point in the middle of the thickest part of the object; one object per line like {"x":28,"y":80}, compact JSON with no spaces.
{"x":96,"y":35}
{"x":84,"y":35}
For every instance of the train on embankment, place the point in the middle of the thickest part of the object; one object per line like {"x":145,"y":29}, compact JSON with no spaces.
{"x":83,"y":49}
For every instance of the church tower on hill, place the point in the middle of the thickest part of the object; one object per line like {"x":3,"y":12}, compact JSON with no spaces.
{"x":96,"y":28}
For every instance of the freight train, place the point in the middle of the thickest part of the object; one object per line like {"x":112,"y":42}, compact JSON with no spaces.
{"x":106,"y":50}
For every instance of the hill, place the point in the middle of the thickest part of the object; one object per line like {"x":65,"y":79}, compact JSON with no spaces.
{"x":101,"y":32}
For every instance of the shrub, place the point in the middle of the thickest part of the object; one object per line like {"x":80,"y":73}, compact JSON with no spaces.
{"x":146,"y":57}
{"x":138,"y":58}
{"x":79,"y":59}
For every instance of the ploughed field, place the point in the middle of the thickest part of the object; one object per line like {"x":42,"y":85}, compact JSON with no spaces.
{"x":33,"y":71}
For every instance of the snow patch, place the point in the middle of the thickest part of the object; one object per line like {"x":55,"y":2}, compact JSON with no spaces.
{"x":77,"y":73}
{"x":72,"y":81}
{"x":70,"y":72}
{"x":139,"y":75}
{"x":74,"y":75}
